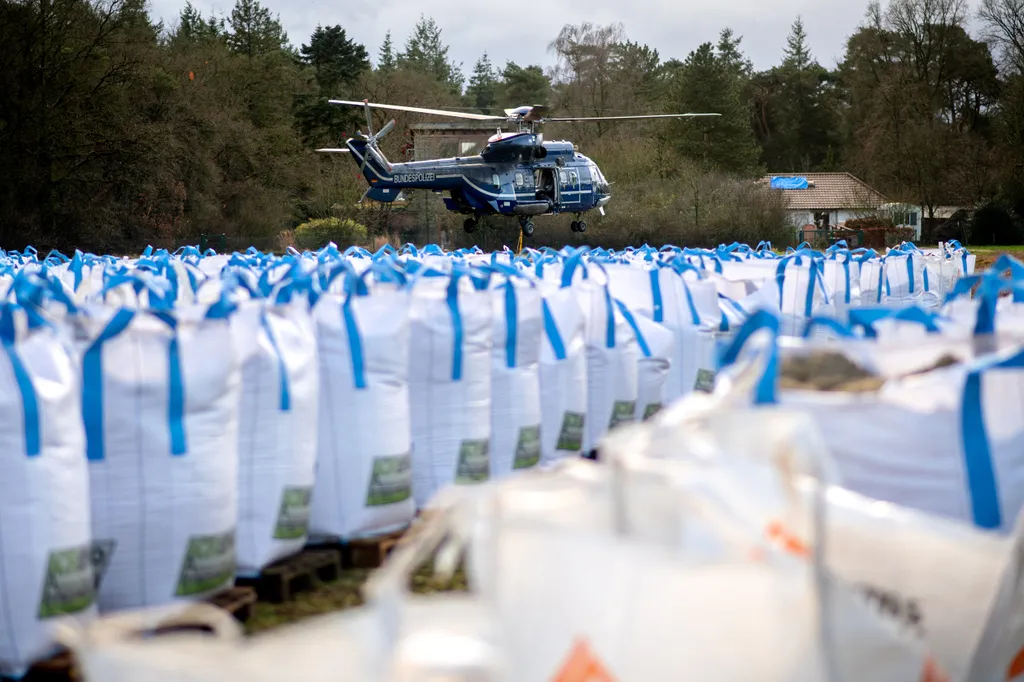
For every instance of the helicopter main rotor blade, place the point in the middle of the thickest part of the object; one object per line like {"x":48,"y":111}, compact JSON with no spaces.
{"x":369,"y":120}
{"x":420,"y":110}
{"x":385,"y":130}
{"x":623,"y":118}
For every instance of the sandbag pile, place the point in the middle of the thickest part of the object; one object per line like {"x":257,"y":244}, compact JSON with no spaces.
{"x":206,"y":414}
{"x":715,"y":523}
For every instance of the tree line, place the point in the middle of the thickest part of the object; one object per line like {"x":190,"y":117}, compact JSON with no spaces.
{"x":117,"y":131}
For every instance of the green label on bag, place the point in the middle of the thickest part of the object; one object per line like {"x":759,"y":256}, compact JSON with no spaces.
{"x":651,"y":410}
{"x":100,"y":555}
{"x":474,"y":461}
{"x":622,"y":411}
{"x":705,"y":381}
{"x":391,"y":480}
{"x":209,"y":563}
{"x":571,"y":436}
{"x":528,"y":448}
{"x":293,"y":517}
{"x":70,"y":584}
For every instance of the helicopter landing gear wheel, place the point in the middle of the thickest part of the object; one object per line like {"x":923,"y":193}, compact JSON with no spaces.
{"x":527,"y":227}
{"x":581,"y":226}
{"x":574,"y":226}
{"x":469,"y":225}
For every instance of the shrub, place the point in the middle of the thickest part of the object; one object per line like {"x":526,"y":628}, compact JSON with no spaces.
{"x":316,"y":233}
{"x":993,"y":223}
{"x":880,"y":233}
{"x":696,"y":208}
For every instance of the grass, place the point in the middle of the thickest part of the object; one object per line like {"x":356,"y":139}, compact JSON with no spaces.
{"x":340,"y":594}
{"x":987,"y":255}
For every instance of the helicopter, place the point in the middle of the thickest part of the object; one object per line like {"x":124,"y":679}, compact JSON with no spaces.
{"x":517,"y":174}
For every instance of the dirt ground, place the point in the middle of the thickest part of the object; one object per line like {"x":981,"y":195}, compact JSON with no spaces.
{"x":343,"y":593}
{"x":987,"y":255}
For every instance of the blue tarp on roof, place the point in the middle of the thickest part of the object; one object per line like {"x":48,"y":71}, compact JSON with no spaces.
{"x":789,"y":183}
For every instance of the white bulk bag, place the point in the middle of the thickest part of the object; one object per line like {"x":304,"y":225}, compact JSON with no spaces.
{"x":45,"y":563}
{"x":420,"y":635}
{"x":449,"y":382}
{"x":670,"y":612}
{"x":907,"y":281}
{"x":161,"y":393}
{"x":656,"y":344}
{"x":697,"y":350}
{"x":799,"y":291}
{"x":563,"y":376}
{"x":936,"y":578}
{"x":958,"y":414}
{"x":277,"y":434}
{"x":515,"y":376}
{"x":364,"y":461}
{"x":612,"y":355}
{"x":841,"y":276}
{"x":661,"y":294}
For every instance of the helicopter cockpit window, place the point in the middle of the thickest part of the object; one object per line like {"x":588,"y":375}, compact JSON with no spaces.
{"x":519,"y":179}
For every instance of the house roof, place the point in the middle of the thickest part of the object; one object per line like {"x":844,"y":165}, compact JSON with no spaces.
{"x":829,"y":191}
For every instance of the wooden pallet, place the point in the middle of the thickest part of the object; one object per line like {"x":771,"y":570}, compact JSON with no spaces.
{"x":370,"y":552}
{"x":237,"y":601}
{"x":282,"y":580}
{"x":361,"y":552}
{"x":61,"y":667}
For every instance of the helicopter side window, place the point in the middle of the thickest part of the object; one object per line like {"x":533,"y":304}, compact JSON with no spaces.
{"x":519,"y":179}
{"x":496,"y":180}
{"x":563,"y":177}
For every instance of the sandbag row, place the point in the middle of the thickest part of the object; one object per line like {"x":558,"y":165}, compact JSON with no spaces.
{"x":233,"y":407}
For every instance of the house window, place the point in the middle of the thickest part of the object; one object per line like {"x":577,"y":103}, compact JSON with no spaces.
{"x":519,"y":179}
{"x":913,"y":219}
{"x":467,"y":148}
{"x":821,"y":220}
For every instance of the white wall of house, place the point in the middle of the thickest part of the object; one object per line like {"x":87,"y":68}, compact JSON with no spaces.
{"x":799,"y":218}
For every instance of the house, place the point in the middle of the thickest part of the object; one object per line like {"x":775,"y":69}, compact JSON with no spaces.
{"x":827,"y":200}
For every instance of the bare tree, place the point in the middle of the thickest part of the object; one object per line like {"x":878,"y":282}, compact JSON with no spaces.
{"x":1004,"y":23}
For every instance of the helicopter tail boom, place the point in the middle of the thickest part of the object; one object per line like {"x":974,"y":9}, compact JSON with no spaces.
{"x":371,"y":161}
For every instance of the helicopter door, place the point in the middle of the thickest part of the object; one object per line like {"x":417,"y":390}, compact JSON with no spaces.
{"x":547,"y":187}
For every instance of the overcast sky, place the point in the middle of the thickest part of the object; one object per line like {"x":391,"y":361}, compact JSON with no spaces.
{"x":521,"y":32}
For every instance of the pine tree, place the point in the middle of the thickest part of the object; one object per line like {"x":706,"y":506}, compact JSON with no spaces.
{"x":521,"y":85}
{"x":483,"y":86}
{"x":426,"y":52}
{"x":709,"y":83}
{"x":386,"y":55}
{"x":729,"y":53}
{"x":797,"y":55}
{"x":253,"y":31}
{"x":192,"y":26}
{"x":336,"y":59}
{"x":803,"y":123}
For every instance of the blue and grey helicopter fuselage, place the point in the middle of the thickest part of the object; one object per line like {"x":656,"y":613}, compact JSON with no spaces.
{"x":517,"y":174}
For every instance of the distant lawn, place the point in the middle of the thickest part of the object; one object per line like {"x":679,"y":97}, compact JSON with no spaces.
{"x":987,"y":255}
